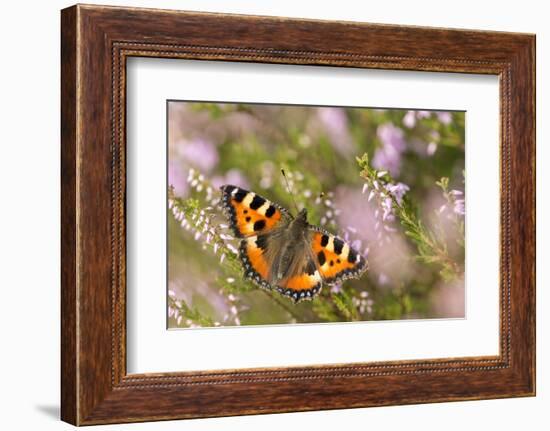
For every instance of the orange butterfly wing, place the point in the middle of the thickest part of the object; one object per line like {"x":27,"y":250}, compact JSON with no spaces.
{"x":328,"y":260}
{"x":258,"y":252}
{"x":252,"y":218}
{"x":256,"y":266}
{"x":336,"y":260}
{"x":304,"y":280}
{"x":248,"y":213}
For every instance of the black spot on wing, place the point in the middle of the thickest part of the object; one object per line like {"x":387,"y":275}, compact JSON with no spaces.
{"x":321,"y":258}
{"x":234,"y":194}
{"x":358,"y":267}
{"x":270,"y":211}
{"x":324,"y":240}
{"x":310,"y":267}
{"x":240,"y":195}
{"x":352,"y":255}
{"x":338,"y":245}
{"x":259,"y":225}
{"x":261,"y":242}
{"x":257,"y":202}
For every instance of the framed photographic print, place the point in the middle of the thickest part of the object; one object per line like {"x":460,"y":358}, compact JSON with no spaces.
{"x":280,"y":207}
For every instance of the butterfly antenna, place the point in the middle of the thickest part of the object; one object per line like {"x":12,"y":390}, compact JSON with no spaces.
{"x":290,"y":191}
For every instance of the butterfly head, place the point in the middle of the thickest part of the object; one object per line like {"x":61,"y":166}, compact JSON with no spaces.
{"x":299,"y":224}
{"x":302,"y":215}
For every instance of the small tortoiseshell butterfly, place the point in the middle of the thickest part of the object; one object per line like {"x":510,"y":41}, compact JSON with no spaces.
{"x":286,"y":253}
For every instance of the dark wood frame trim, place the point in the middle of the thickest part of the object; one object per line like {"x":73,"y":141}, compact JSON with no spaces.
{"x":95,"y":43}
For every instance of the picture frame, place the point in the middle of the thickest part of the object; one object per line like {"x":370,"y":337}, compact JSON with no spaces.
{"x":96,"y":42}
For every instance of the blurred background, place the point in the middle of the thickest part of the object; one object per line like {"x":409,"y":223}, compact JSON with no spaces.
{"x":414,"y":272}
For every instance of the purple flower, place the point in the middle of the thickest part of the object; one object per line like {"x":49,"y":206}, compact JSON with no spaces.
{"x":387,"y":208}
{"x":336,"y":288}
{"x":422,"y":114}
{"x":388,"y":156}
{"x":335,"y":122}
{"x":232,"y":176}
{"x":199,"y":153}
{"x":459,"y":207}
{"x":383,"y":279}
{"x":444,"y":116}
{"x":398,"y":191}
{"x":431,"y":149}
{"x":177,"y":179}
{"x":409,"y":120}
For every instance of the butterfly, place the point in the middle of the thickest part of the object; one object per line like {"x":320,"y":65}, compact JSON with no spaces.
{"x":285,"y":253}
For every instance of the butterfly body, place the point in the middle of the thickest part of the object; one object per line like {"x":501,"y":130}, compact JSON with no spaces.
{"x":285,"y":253}
{"x":289,"y":243}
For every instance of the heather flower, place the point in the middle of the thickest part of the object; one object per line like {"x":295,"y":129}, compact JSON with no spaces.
{"x":387,"y":195}
{"x":431,"y":149}
{"x":454,"y":199}
{"x":199,"y":153}
{"x":179,"y":309}
{"x":198,"y":183}
{"x":235,"y":307}
{"x":363,"y":303}
{"x":201,"y":226}
{"x":328,"y":210}
{"x":336,"y":288}
{"x":434,"y":134}
{"x":232,"y":176}
{"x":391,"y":206}
{"x":423,"y":114}
{"x":397,"y":191}
{"x":176,"y":178}
{"x":335,"y":122}
{"x":409,"y":119}
{"x":458,"y":207}
{"x":267,"y":169}
{"x":383,"y":279}
{"x":388,"y":156}
{"x":444,"y":117}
